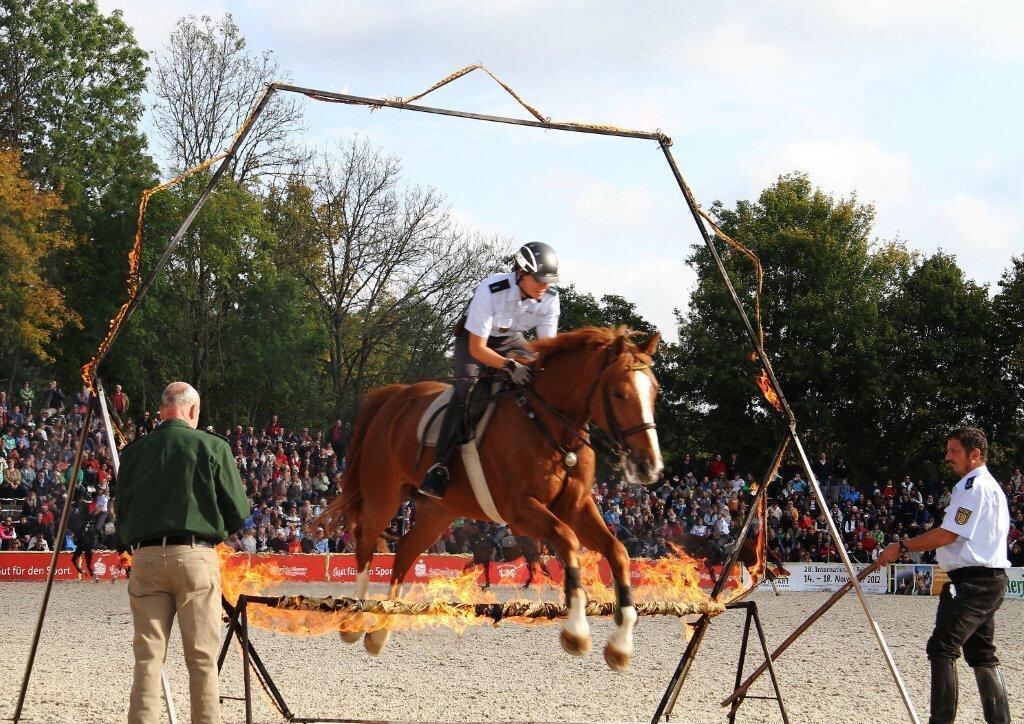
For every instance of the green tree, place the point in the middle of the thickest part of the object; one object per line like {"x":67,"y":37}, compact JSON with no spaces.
{"x":824,"y":283}
{"x":935,"y":358}
{"x":71,"y":80}
{"x":1006,"y":416}
{"x":580,"y":309}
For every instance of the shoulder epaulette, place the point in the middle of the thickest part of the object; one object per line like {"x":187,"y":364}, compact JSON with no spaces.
{"x":499,"y":286}
{"x":970,"y":482}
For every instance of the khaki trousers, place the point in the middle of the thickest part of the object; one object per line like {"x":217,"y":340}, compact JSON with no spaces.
{"x":169,"y":581}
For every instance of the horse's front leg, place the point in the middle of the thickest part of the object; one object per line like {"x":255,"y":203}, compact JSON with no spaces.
{"x":595,"y":534}
{"x":533,"y":519}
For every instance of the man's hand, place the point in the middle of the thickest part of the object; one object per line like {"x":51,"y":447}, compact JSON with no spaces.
{"x":889,"y":554}
{"x":519,"y":373}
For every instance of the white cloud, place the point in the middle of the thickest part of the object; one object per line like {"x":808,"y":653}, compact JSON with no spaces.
{"x":657,"y":284}
{"x":838,"y":166}
{"x":985,"y":228}
{"x":732,"y":49}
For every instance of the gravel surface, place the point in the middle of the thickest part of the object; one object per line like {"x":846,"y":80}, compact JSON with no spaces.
{"x":834,"y":673}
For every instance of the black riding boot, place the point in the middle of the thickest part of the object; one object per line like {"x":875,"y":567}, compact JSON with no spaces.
{"x":944,"y":691}
{"x":993,"y":694}
{"x":435,"y":482}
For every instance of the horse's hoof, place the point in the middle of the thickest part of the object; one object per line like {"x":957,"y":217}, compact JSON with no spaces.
{"x":575,"y":645}
{"x":350,"y":637}
{"x":374,"y":641}
{"x":616,"y":660}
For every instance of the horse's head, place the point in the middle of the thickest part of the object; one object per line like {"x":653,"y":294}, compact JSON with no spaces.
{"x":623,"y":406}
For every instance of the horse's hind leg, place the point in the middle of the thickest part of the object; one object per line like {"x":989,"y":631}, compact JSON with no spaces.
{"x":533,"y":519}
{"x":595,"y":534}
{"x":431,"y":521}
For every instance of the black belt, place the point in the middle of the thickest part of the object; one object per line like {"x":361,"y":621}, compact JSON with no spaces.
{"x":175,"y":540}
{"x":962,"y":574}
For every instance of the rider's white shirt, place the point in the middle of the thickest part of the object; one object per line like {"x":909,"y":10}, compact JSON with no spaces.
{"x":498,"y":309}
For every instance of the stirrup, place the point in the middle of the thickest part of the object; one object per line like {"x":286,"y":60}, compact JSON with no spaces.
{"x":435,"y":482}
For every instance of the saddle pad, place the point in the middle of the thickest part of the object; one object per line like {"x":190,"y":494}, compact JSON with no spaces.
{"x":432,"y":419}
{"x":427,"y":431}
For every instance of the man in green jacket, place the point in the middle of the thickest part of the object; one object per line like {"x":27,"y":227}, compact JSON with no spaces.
{"x":178,"y":494}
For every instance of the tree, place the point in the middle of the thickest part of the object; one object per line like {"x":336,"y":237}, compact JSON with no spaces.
{"x":1006,"y":416}
{"x":824,"y":284}
{"x":936,"y":353}
{"x":385,"y":268}
{"x":205,"y":87}
{"x":32,"y":229}
{"x":71,"y":80}
{"x":579,"y":309}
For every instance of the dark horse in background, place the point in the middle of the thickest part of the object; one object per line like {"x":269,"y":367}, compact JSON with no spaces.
{"x":508,"y":548}
{"x":597,"y":375}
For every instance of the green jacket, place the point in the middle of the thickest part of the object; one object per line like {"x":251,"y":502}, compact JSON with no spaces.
{"x":177,"y":481}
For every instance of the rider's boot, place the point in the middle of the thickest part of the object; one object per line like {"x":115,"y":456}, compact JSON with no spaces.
{"x":435,"y":482}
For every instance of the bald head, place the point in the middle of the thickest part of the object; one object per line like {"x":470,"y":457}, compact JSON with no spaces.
{"x":181,"y":402}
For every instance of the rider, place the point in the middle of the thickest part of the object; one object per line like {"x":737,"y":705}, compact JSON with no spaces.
{"x":504,"y":306}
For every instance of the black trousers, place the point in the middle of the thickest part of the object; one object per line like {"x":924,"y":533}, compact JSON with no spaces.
{"x":967,"y":620}
{"x":466,"y":371}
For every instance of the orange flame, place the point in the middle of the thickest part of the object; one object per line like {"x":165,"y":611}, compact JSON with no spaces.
{"x":766,"y":387}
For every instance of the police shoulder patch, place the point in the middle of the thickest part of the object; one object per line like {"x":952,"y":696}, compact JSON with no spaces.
{"x":970,"y":483}
{"x":962,"y":516}
{"x":499,"y":286}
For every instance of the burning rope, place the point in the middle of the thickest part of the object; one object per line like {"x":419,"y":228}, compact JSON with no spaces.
{"x":495,"y":611}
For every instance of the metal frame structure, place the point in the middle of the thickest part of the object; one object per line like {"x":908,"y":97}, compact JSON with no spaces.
{"x":664,"y":143}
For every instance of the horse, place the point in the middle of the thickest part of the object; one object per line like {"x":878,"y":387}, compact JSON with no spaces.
{"x":485,"y":551}
{"x":539,"y":470}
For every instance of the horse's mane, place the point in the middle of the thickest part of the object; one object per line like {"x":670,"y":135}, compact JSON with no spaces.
{"x":584,"y":337}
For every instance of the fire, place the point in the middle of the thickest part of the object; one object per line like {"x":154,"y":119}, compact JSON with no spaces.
{"x":766,"y":387}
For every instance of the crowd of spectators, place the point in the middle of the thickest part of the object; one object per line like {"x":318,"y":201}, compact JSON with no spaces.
{"x":290,"y":475}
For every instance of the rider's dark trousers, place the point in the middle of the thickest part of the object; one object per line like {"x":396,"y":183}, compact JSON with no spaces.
{"x":466,"y":371}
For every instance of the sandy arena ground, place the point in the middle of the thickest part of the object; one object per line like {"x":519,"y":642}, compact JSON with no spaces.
{"x":833,"y":674}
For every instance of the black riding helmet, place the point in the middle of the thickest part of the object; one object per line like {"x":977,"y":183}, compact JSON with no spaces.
{"x":539,"y":261}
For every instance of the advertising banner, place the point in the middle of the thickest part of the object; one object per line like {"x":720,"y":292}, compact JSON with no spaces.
{"x":1015,"y":583}
{"x":914,"y":579}
{"x":297,"y":568}
{"x":24,"y":566}
{"x":826,"y":577}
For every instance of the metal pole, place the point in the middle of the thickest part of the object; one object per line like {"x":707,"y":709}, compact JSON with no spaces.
{"x":768,"y":661}
{"x":58,"y":543}
{"x":766,"y":364}
{"x":115,"y":461}
{"x":548,"y":125}
{"x":244,"y":625}
{"x":675,"y":686}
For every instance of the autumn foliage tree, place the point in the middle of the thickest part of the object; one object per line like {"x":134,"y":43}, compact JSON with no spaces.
{"x":32,"y":229}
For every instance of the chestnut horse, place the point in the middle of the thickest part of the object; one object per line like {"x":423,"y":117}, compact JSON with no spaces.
{"x":591,"y":374}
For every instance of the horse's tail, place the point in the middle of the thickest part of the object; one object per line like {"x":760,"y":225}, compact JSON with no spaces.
{"x":347,"y":507}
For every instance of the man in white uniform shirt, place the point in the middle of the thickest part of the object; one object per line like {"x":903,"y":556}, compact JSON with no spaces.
{"x":504,"y":306}
{"x":971,"y":547}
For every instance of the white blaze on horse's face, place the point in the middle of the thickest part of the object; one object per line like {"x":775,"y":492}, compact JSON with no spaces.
{"x":645,"y":392}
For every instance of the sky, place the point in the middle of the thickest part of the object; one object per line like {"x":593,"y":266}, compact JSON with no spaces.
{"x":916,"y":107}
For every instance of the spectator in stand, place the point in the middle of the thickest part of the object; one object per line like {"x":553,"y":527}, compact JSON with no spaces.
{"x":119,"y":404}
{"x":8,"y":534}
{"x":26,"y":396}
{"x":145,"y":424}
{"x":53,"y":401}
{"x":275,"y":430}
{"x":717,"y":468}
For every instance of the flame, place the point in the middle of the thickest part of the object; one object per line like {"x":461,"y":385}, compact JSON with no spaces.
{"x":674,"y":578}
{"x":766,"y":386}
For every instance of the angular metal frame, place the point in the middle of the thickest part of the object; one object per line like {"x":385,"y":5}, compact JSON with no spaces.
{"x":664,"y":142}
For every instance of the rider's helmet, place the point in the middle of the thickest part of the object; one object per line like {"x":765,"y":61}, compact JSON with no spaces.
{"x":539,"y":261}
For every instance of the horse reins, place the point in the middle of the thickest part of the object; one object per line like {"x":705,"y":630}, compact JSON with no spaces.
{"x":615,"y":448}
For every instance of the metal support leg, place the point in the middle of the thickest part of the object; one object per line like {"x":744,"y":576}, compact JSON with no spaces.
{"x":739,"y":664}
{"x":247,"y":684}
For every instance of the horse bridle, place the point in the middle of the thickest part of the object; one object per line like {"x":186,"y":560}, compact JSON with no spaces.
{"x":615,"y":447}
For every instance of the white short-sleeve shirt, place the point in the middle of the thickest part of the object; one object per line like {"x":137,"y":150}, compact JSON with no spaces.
{"x":498,"y":309}
{"x":978,"y":514}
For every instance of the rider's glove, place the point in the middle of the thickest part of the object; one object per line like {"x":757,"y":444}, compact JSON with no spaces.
{"x":519,"y":373}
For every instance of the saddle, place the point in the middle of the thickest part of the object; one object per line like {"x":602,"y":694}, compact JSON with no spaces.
{"x":476,"y":413}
